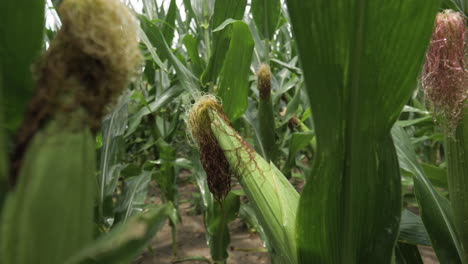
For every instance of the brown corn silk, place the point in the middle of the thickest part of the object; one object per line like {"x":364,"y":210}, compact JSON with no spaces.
{"x":445,"y":77}
{"x":264,"y":81}
{"x":212,"y":156}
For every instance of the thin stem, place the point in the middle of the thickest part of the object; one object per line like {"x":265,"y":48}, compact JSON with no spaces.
{"x":457,"y":161}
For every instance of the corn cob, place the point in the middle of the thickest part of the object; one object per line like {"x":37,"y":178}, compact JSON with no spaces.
{"x":49,"y":215}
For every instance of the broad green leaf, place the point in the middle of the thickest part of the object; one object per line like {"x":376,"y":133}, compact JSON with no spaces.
{"x":260,"y":48}
{"x":169,"y":25}
{"x":298,"y":141}
{"x":412,"y":230}
{"x":21,"y":35}
{"x":266,"y":15}
{"x":165,"y":175}
{"x":293,"y":105}
{"x":187,"y":80}
{"x":360,"y":61}
{"x":288,"y":66}
{"x":133,"y":197}
{"x":113,"y":129}
{"x":124,"y":242}
{"x":161,"y":100}
{"x":223,"y":9}
{"x":234,"y":83}
{"x":49,"y":214}
{"x":3,"y":150}
{"x":203,"y":10}
{"x":457,"y":5}
{"x":412,"y":122}
{"x":151,"y":49}
{"x":437,"y":175}
{"x":436,"y":212}
{"x":188,"y":7}
{"x":223,"y":25}
{"x":190,"y":44}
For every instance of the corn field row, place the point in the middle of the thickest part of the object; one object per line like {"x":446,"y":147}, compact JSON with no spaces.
{"x":363,"y":102}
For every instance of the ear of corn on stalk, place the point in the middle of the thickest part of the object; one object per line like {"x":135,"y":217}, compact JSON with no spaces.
{"x":445,"y":83}
{"x":274,"y":197}
{"x":49,"y":215}
{"x":445,"y":78}
{"x":265,"y":113}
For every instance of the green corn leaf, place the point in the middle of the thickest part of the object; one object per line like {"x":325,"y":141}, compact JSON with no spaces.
{"x":266,"y":15}
{"x":187,"y":80}
{"x":234,"y":83}
{"x":49,"y":215}
{"x":169,"y":25}
{"x":223,"y":9}
{"x":162,"y":100}
{"x":360,"y":61}
{"x":113,"y":129}
{"x":298,"y":141}
{"x":435,"y":209}
{"x":21,"y":35}
{"x":437,"y":175}
{"x":412,"y":230}
{"x":124,"y":242}
{"x":165,"y":175}
{"x":274,"y":198}
{"x":190,"y":44}
{"x":133,"y":197}
{"x":3,"y":150}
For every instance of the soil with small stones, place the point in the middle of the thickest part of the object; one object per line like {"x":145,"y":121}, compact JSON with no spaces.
{"x":246,"y":247}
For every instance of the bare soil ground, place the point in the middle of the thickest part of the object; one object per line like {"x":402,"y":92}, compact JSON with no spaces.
{"x":246,"y":247}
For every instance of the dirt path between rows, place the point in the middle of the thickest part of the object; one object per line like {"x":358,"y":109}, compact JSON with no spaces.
{"x":191,"y":237}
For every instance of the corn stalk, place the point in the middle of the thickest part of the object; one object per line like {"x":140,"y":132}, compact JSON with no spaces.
{"x":457,"y":163}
